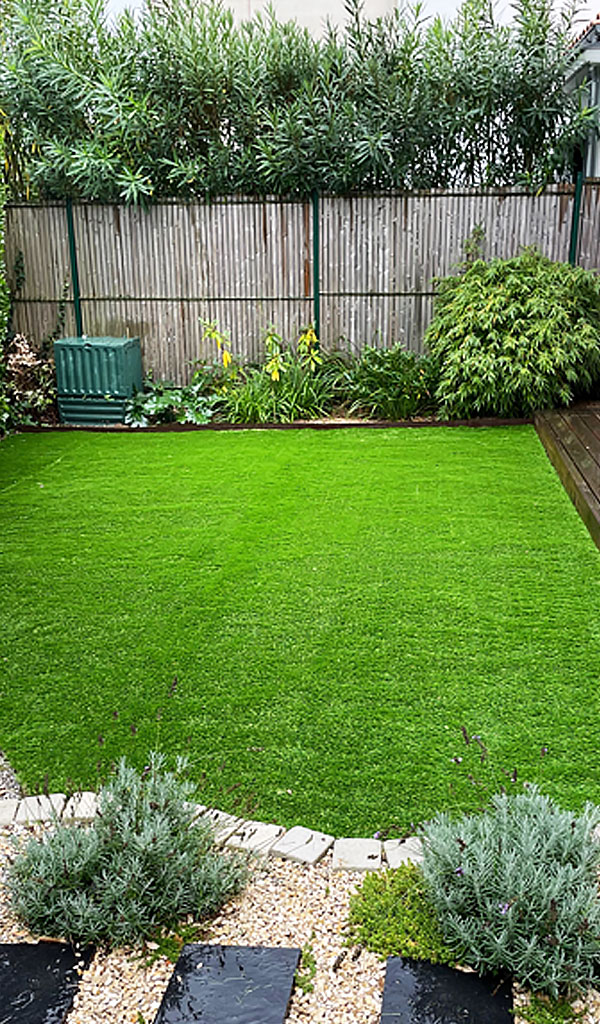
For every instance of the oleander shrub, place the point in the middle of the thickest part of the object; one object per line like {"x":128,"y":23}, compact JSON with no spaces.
{"x":143,"y":864}
{"x":392,"y":384}
{"x":515,"y":889}
{"x":514,"y":336}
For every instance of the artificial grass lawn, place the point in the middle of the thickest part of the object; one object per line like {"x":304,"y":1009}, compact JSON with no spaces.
{"x":335,"y":606}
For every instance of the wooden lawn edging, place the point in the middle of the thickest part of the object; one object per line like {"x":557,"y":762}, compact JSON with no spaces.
{"x":571,"y":438}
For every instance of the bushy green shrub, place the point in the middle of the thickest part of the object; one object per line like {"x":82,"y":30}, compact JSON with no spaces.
{"x":162,"y":402}
{"x":391,"y":384}
{"x":514,"y":336}
{"x":392,"y":915}
{"x":144,"y":863}
{"x":516,"y":889}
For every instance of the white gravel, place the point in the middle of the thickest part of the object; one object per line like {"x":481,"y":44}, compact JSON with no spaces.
{"x":285,"y":904}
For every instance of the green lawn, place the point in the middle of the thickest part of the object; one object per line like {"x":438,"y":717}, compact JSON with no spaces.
{"x":335,"y":606}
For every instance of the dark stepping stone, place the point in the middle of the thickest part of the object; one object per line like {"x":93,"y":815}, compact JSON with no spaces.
{"x":229,"y":985}
{"x":38,"y":982}
{"x":417,"y":992}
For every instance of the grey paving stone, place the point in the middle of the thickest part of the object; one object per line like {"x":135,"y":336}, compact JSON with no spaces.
{"x":236,"y":984}
{"x":40,"y":808}
{"x":399,"y":851}
{"x":303,"y":845}
{"x":222,"y":824}
{"x":417,"y":992}
{"x":254,"y":837}
{"x":81,"y":807}
{"x":356,"y":855}
{"x":38,"y":982}
{"x":199,"y":810}
{"x":8,"y":809}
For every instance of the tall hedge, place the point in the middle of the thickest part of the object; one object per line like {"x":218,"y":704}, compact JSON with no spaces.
{"x":179,"y":102}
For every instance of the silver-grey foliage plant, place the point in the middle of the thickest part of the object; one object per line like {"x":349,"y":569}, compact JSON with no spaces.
{"x":143,"y":864}
{"x":516,"y":890}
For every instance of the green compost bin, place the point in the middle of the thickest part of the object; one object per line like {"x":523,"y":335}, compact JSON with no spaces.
{"x":95,"y":377}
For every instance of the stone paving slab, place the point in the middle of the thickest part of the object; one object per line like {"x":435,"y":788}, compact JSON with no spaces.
{"x":236,"y":984}
{"x":255,"y":837}
{"x":400,"y":851}
{"x":81,"y":807}
{"x":356,"y":855}
{"x":38,"y":982}
{"x":418,"y":992}
{"x":303,"y":845}
{"x":223,"y":825}
{"x":40,"y":808}
{"x":8,"y":809}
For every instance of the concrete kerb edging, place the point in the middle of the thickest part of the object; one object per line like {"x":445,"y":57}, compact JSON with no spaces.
{"x":299,"y":844}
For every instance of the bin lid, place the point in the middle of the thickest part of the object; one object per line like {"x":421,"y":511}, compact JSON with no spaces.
{"x":100,"y":342}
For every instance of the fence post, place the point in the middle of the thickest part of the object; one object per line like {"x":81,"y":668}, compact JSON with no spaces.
{"x":316,"y":265}
{"x":575,"y":220}
{"x":74,"y":270}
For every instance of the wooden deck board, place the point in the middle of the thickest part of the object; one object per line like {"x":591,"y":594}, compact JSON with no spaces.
{"x":572,"y":441}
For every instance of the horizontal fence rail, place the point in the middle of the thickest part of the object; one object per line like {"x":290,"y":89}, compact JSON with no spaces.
{"x":249,"y":264}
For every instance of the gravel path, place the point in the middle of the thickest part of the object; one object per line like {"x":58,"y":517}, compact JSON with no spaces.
{"x":285,"y":904}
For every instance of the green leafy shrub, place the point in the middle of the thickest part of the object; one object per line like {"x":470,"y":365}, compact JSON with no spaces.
{"x":143,"y":864}
{"x":162,"y":402}
{"x":516,"y":889}
{"x":392,"y":384}
{"x":27,"y":385}
{"x":513,"y":336}
{"x":392,"y":915}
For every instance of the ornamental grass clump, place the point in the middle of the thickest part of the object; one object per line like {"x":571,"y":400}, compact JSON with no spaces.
{"x":516,"y":890}
{"x":142,"y":865}
{"x":515,"y":336}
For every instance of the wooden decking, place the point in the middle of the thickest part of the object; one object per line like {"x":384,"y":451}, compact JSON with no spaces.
{"x":571,"y":438}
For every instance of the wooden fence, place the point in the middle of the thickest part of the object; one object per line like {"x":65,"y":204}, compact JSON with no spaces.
{"x":367,"y":262}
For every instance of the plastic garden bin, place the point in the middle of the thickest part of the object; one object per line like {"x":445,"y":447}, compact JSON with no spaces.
{"x":95,"y":377}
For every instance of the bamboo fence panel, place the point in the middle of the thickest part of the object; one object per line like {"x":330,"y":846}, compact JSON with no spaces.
{"x":248,"y":264}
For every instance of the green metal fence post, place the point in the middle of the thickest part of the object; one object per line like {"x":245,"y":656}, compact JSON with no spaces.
{"x":575,"y":220}
{"x":74,"y":270}
{"x":316,"y":265}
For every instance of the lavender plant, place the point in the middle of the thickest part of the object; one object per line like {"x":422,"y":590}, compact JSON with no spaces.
{"x":516,"y":889}
{"x":143,"y":864}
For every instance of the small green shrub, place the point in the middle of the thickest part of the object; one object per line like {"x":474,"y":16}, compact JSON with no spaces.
{"x":514,"y":336}
{"x":542,"y":1010}
{"x":516,"y":889}
{"x":391,"y":384}
{"x":142,"y":865}
{"x":161,"y":402}
{"x":391,"y":915}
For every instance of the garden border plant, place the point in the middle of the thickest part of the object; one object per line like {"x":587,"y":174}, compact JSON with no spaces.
{"x":514,"y":336}
{"x":144,"y":863}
